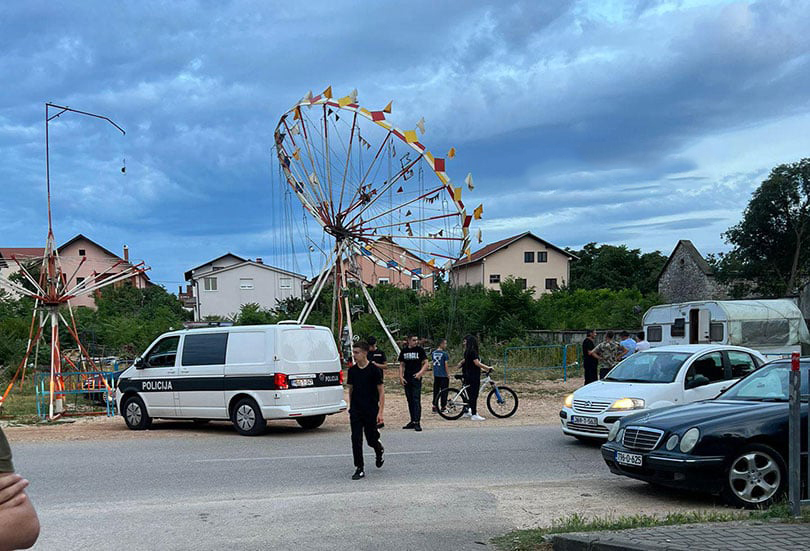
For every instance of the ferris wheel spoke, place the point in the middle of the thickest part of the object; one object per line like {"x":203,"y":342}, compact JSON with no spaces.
{"x":401,"y":205}
{"x":380,"y":193}
{"x":358,"y":193}
{"x":348,"y":162}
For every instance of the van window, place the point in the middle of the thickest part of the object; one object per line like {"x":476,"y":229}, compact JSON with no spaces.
{"x":678,"y":328}
{"x":205,"y":349}
{"x":654,"y":333}
{"x":247,"y":348}
{"x":164,"y":353}
{"x":716,"y":332}
{"x":307,"y":345}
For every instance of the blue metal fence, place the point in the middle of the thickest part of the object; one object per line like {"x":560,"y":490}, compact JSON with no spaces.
{"x":562,"y":358}
{"x":89,"y":385}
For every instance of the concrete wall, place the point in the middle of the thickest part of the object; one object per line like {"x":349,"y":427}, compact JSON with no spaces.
{"x":684,"y":281}
{"x":229,"y":296}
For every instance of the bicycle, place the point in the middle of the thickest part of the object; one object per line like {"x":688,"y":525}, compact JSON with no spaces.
{"x":502,"y":401}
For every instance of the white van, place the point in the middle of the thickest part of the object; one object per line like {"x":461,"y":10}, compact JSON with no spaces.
{"x":245,"y":374}
{"x":774,"y":327}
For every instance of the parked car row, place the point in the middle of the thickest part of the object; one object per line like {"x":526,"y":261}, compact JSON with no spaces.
{"x":705,"y":418}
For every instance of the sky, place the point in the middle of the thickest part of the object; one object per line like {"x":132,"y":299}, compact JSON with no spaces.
{"x":637,"y":123}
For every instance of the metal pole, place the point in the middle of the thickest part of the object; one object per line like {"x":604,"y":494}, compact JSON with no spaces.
{"x":379,"y":318}
{"x":794,"y":438}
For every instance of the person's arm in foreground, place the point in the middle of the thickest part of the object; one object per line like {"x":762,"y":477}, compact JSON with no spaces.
{"x":19,"y":525}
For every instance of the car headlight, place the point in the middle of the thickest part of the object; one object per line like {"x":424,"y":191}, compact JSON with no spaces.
{"x":569,"y":401}
{"x":614,"y":430}
{"x":626,"y":404}
{"x":672,"y":442}
{"x":690,"y":438}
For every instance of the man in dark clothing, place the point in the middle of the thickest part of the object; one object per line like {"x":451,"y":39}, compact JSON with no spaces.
{"x":412,"y":365}
{"x":377,"y":358}
{"x":589,"y":361}
{"x":366,"y":404}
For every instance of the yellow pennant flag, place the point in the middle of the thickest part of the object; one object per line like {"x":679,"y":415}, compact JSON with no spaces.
{"x":297,"y":154}
{"x":410,"y":136}
{"x":457,"y":194}
{"x":297,"y":115}
{"x":328,"y":92}
{"x":432,"y":262}
{"x":344,"y":101}
{"x":479,"y":210}
{"x":451,"y":153}
{"x":387,"y":108}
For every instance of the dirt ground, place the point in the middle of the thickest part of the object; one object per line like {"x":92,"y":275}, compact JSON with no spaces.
{"x":538,"y":403}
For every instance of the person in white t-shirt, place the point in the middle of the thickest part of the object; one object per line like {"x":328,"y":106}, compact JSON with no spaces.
{"x":641,"y":342}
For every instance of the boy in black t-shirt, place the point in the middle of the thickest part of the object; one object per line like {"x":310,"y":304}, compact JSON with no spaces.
{"x":377,"y":358}
{"x":366,"y":404}
{"x":412,"y":365}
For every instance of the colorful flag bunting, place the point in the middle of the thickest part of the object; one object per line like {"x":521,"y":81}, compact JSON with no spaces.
{"x":391,"y":264}
{"x":410,"y":136}
{"x":469,"y":181}
{"x":451,"y":153}
{"x":417,"y":271}
{"x":328,"y":92}
{"x":387,"y":108}
{"x":421,"y":125}
{"x":479,"y":210}
{"x":457,"y":194}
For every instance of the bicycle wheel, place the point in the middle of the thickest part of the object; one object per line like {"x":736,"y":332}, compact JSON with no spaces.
{"x":455,"y":403}
{"x":506,"y":405}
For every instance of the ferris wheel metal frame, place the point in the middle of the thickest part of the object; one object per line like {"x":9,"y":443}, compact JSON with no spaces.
{"x":304,"y":153}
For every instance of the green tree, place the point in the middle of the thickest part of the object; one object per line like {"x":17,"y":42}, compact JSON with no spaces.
{"x":615,"y":267}
{"x":772,"y":241}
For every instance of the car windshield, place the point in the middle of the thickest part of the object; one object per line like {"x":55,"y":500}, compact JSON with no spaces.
{"x":767,"y":384}
{"x":649,"y":367}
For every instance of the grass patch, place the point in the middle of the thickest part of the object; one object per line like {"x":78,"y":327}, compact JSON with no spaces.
{"x":534,"y":539}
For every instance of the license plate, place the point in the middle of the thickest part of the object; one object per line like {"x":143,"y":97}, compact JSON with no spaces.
{"x":631,"y":459}
{"x":302,"y":382}
{"x":580,"y":420}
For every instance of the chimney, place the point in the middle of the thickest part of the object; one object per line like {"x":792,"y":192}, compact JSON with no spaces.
{"x":259,"y":260}
{"x":126,"y":253}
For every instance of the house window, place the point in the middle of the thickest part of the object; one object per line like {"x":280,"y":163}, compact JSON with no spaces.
{"x":521,"y":283}
{"x":79,"y":280}
{"x":542,"y":256}
{"x":528,"y":257}
{"x":285,"y":283}
{"x":551,"y":283}
{"x":494,"y":278}
{"x":383,"y":280}
{"x":416,"y":284}
{"x":81,"y":252}
{"x":246,"y":283}
{"x":210,"y":283}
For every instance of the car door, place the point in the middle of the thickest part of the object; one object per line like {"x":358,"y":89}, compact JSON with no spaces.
{"x":202,"y":385}
{"x":705,"y":377}
{"x":155,"y":382}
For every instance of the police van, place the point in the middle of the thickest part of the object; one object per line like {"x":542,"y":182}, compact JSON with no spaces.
{"x":246,"y":374}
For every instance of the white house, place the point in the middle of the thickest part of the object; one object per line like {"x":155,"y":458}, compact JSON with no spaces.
{"x":221,"y":286}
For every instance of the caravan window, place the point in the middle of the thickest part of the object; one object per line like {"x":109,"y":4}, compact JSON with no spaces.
{"x":678,"y":328}
{"x":655,"y":333}
{"x":716,"y":332}
{"x":765,"y":332}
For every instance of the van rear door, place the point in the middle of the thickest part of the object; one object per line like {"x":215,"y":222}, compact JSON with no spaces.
{"x":309,"y":358}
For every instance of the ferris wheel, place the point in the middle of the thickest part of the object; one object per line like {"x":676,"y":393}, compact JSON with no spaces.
{"x":380,"y":195}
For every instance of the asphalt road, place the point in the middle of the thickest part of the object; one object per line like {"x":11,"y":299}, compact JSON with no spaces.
{"x":453,"y":488}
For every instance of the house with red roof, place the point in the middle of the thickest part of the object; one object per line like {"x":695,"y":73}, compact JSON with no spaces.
{"x":532,"y":262}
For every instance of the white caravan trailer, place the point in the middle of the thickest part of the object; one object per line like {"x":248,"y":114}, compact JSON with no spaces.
{"x":773,"y":327}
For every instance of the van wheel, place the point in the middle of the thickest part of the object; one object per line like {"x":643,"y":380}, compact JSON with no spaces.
{"x":311,"y":422}
{"x":247,"y":418}
{"x":135,"y":414}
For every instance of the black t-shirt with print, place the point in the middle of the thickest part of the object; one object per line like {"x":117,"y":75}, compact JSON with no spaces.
{"x":365,"y":398}
{"x":377,"y":356}
{"x":412,"y":358}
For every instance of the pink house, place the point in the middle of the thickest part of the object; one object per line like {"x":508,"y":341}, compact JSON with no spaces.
{"x":82,"y":258}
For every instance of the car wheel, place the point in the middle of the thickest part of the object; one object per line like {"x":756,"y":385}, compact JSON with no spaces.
{"x":755,"y":477}
{"x":312,"y":422}
{"x":247,"y":418}
{"x":135,"y":414}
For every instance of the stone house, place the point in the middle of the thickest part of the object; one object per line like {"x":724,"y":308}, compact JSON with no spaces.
{"x":686,"y":276}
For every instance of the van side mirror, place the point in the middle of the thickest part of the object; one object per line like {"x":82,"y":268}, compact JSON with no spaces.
{"x":139,"y":363}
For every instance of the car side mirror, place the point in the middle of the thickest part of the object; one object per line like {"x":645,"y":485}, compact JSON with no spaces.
{"x":139,"y":363}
